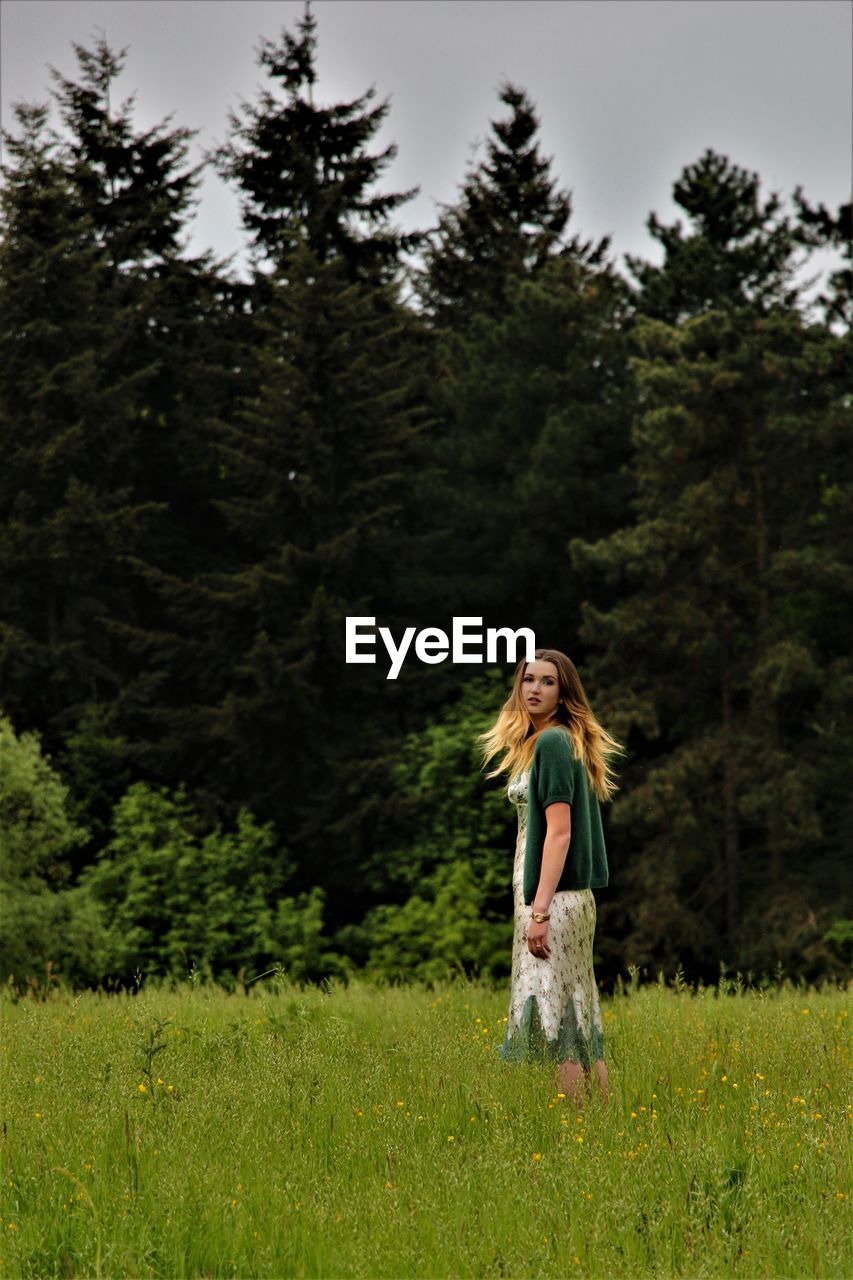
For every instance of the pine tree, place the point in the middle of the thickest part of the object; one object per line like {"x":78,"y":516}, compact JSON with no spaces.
{"x":66,"y":492}
{"x":737,"y":252}
{"x":530,"y":353}
{"x":110,"y":376}
{"x":132,"y":184}
{"x":713,"y":655}
{"x":316,"y":466}
{"x":305,"y":172}
{"x":820,"y":229}
{"x":509,"y":221}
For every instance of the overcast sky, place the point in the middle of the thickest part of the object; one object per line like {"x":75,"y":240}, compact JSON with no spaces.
{"x":628,"y":91}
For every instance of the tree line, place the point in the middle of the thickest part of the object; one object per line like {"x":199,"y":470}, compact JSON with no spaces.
{"x":203,"y":475}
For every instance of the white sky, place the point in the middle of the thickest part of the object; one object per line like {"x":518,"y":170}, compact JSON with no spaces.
{"x":628,"y":91}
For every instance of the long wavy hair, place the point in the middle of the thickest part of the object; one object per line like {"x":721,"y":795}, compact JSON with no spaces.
{"x":515,"y":734}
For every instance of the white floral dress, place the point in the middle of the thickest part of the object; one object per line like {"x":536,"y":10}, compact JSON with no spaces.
{"x":554,"y":1010}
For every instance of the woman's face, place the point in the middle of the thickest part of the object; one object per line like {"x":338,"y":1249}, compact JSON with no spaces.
{"x":540,"y":689}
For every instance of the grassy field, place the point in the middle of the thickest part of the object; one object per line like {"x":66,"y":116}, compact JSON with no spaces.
{"x":360,"y":1131}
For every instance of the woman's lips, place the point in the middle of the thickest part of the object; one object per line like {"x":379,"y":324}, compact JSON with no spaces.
{"x":532,"y":700}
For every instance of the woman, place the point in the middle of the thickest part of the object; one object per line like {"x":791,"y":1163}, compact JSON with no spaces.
{"x":555,"y":752}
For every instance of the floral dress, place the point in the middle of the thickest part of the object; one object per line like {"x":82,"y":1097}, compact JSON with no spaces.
{"x":554,"y":1010}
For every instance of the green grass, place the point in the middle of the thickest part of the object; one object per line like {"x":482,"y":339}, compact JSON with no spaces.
{"x":363,"y":1131}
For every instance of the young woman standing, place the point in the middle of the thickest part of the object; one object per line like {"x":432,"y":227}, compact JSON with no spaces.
{"x":556,"y":754}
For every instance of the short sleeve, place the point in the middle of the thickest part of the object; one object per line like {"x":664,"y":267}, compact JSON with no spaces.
{"x":556,"y":768}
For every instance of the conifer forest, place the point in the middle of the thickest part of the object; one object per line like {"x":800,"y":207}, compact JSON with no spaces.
{"x":205,"y":472}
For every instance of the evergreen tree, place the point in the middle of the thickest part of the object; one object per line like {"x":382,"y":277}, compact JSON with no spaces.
{"x":114,"y":339}
{"x":66,"y":491}
{"x":316,"y":483}
{"x":133,"y":185}
{"x":737,"y":252}
{"x":714,"y":659}
{"x":533,"y":447}
{"x":820,"y":229}
{"x":532,"y":437}
{"x":509,"y":221}
{"x":316,"y":466}
{"x":305,"y":172}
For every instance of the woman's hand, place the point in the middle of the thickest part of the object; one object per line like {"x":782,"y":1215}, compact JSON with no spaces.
{"x":537,"y":940}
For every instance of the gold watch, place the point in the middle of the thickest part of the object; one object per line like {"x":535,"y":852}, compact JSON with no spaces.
{"x":539,"y":917}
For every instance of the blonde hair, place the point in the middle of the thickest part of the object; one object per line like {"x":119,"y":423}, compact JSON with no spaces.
{"x":515,"y":734}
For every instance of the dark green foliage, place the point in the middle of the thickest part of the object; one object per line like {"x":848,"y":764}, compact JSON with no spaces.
{"x":130,"y":184}
{"x":820,"y":229}
{"x":450,"y":872}
{"x":107,"y":333}
{"x":538,"y":435}
{"x":534,"y":389}
{"x":203,"y":477}
{"x":305,"y":172}
{"x":508,"y":223}
{"x":316,"y":467}
{"x":315,"y":499}
{"x":711,"y":656}
{"x":66,"y":492}
{"x":738,"y":250}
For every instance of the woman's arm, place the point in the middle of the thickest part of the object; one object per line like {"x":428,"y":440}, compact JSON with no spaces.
{"x":554,"y":850}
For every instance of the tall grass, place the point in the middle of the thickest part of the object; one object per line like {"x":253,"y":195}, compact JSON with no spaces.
{"x":361,"y":1131}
